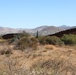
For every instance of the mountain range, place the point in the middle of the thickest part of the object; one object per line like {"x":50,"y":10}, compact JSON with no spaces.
{"x":43,"y":30}
{"x":64,"y":26}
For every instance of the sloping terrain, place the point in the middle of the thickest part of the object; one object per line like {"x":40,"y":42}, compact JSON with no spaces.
{"x":61,"y":33}
{"x":64,"y":26}
{"x":5,"y":30}
{"x":43,"y":30}
{"x":50,"y":30}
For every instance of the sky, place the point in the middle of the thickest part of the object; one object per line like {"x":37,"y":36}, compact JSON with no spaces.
{"x":35,"y":13}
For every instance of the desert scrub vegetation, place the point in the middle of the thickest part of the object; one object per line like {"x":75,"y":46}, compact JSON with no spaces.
{"x":18,"y":36}
{"x":50,"y":47}
{"x":46,"y":67}
{"x":69,"y":39}
{"x":40,"y":63}
{"x":2,"y":41}
{"x":55,"y":67}
{"x":12,"y":69}
{"x":50,"y":40}
{"x":42,"y":40}
{"x":27,"y":43}
{"x":6,"y":51}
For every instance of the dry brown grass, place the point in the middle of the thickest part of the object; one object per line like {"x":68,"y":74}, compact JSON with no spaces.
{"x":2,"y":40}
{"x":51,"y":47}
{"x":46,"y":60}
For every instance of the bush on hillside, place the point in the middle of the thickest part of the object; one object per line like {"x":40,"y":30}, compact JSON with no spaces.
{"x":50,"y":40}
{"x":27,"y":42}
{"x":69,"y":39}
{"x":17,"y":37}
{"x":42,"y":40}
{"x":24,"y":33}
{"x":54,"y":40}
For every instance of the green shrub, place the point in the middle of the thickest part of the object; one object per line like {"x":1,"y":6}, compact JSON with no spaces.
{"x":50,"y":40}
{"x":27,"y":42}
{"x":69,"y":39}
{"x":17,"y":37}
{"x":42,"y":40}
{"x":54,"y":40}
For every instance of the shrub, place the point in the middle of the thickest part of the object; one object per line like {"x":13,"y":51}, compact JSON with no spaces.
{"x":54,"y":40}
{"x":27,"y":42}
{"x":50,"y":40}
{"x":42,"y":40}
{"x":17,"y":37}
{"x":69,"y":39}
{"x":24,"y":34}
{"x":7,"y":52}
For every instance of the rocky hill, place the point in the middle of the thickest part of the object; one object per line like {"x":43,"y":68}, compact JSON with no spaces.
{"x":64,"y":26}
{"x":43,"y":30}
{"x":50,"y":30}
{"x":5,"y":30}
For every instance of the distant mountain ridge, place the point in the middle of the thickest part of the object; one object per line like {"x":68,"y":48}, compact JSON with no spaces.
{"x":43,"y":30}
{"x":50,"y":30}
{"x":64,"y":27}
{"x":5,"y":30}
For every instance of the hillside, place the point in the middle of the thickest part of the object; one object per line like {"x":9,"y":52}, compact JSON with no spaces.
{"x":64,"y":26}
{"x":28,"y":56}
{"x":43,"y":30}
{"x":4,"y":30}
{"x":67,"y":31}
{"x":50,"y":30}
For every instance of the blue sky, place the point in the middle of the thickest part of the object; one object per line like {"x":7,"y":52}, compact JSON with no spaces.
{"x":34,"y":13}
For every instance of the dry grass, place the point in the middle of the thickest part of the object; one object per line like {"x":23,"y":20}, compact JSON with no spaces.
{"x":2,"y":40}
{"x":51,"y":47}
{"x":6,"y":50}
{"x":46,"y":60}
